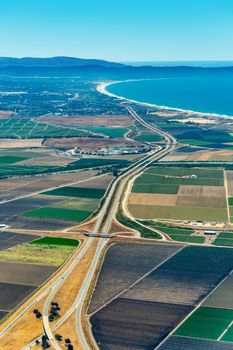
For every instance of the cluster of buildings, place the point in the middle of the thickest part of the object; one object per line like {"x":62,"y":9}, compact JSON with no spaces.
{"x":110,"y":151}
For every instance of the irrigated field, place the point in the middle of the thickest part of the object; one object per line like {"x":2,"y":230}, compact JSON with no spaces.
{"x":224,"y":239}
{"x":176,"y":193}
{"x":141,"y":313}
{"x":51,"y":210}
{"x":45,"y":251}
{"x":24,"y":267}
{"x":207,"y":323}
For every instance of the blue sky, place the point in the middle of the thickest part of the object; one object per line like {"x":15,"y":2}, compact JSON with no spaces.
{"x":120,"y":30}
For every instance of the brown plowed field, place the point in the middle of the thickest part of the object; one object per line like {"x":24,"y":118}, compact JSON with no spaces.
{"x":90,"y":143}
{"x":10,"y":143}
{"x":152,"y":199}
{"x":205,"y":191}
{"x":103,"y":120}
{"x":229,"y":175}
{"x":101,"y":182}
{"x":47,"y":160}
{"x":201,"y":202}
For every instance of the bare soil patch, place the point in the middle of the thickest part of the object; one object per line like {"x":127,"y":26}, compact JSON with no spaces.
{"x":152,"y":199}
{"x":13,"y":143}
{"x":87,"y":142}
{"x":47,"y":160}
{"x":229,"y":176}
{"x":205,"y":191}
{"x":32,"y":274}
{"x":103,"y":120}
{"x":201,"y":202}
{"x":101,"y":182}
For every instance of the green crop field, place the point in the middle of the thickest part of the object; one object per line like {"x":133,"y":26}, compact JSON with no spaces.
{"x":11,"y":159}
{"x":223,"y":242}
{"x":177,"y":234}
{"x":111,"y":132}
{"x":225,"y":234}
{"x":186,"y":238}
{"x":77,"y":192}
{"x":146,"y":137}
{"x":228,"y":336}
{"x":177,"y":213}
{"x":39,"y":253}
{"x":58,"y":214}
{"x":207,"y":323}
{"x":26,"y":129}
{"x":172,"y":180}
{"x":169,"y":230}
{"x":230,"y":201}
{"x":96,"y":162}
{"x":155,"y":188}
{"x":179,"y":171}
{"x":10,"y":170}
{"x":56,"y":241}
{"x":84,"y":163}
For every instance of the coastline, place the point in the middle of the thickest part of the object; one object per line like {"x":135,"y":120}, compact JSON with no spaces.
{"x":102,"y":88}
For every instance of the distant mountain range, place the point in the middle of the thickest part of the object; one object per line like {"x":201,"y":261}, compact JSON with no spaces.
{"x":52,"y":62}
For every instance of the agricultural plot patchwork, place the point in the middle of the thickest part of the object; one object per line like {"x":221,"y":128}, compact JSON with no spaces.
{"x":27,"y":265}
{"x":177,"y":234}
{"x":25,"y":162}
{"x":141,"y":313}
{"x":172,"y":193}
{"x":74,"y":204}
{"x":51,"y":211}
{"x":224,"y":239}
{"x":229,"y":177}
{"x":32,"y":128}
{"x":28,"y":128}
{"x":210,"y":326}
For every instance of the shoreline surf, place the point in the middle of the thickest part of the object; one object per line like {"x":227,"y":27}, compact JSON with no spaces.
{"x":102,"y":88}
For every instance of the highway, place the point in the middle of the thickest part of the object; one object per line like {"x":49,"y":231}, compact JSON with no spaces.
{"x":110,"y":207}
{"x":117,"y":191}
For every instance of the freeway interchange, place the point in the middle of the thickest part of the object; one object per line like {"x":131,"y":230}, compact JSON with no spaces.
{"x":104,"y":220}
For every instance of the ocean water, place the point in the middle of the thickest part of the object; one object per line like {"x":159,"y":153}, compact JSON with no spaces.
{"x":211,"y":93}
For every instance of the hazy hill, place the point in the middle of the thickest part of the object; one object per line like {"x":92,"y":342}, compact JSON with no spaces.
{"x":51,"y":62}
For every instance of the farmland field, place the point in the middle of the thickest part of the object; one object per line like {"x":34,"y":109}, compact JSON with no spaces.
{"x":177,"y":213}
{"x":229,"y":176}
{"x":188,"y":343}
{"x":114,"y":278}
{"x":207,"y":323}
{"x":147,"y":137}
{"x":11,"y":159}
{"x":78,"y":202}
{"x":18,"y":280}
{"x":222,"y":296}
{"x":57,"y":241}
{"x":157,"y":299}
{"x":47,"y":251}
{"x":10,"y":239}
{"x":176,"y":193}
{"x":190,"y":239}
{"x":77,"y":192}
{"x":223,"y":242}
{"x":59,"y":213}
